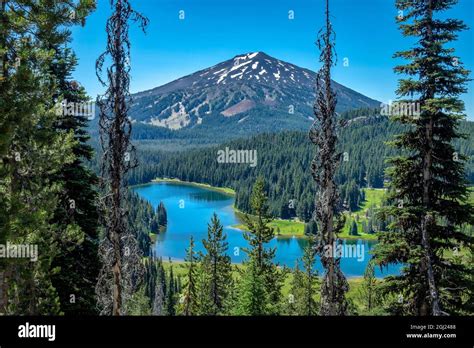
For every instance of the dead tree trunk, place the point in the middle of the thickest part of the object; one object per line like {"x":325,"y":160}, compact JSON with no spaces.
{"x":119,"y":248}
{"x":323,"y":134}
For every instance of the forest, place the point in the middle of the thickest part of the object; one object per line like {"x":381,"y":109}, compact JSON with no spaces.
{"x":66,"y":186}
{"x":280,"y":160}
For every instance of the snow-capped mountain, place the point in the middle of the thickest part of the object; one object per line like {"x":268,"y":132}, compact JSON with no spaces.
{"x":251,"y":89}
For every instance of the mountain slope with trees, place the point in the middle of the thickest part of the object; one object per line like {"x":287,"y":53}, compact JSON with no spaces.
{"x":282,"y":158}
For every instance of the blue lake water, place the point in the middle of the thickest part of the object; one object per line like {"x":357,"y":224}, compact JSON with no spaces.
{"x":190,"y":209}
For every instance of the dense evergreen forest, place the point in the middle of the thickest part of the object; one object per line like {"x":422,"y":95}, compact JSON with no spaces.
{"x":282,"y":158}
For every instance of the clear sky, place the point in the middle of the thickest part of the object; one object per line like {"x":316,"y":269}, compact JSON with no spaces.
{"x":216,"y":30}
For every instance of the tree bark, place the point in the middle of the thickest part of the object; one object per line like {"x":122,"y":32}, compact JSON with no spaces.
{"x":427,"y":193}
{"x":117,"y":159}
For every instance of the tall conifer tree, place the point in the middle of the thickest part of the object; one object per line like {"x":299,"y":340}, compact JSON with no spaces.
{"x":260,"y":256}
{"x":158,"y":307}
{"x":170,"y":301}
{"x":32,"y":153}
{"x":188,"y":302}
{"x":310,"y":280}
{"x":78,"y":262}
{"x":217,"y":266}
{"x":428,"y":189}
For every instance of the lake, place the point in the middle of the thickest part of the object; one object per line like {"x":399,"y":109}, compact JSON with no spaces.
{"x":190,"y":207}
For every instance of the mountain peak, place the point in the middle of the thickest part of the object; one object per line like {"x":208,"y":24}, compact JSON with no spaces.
{"x":255,"y":67}
{"x":252,"y":55}
{"x":248,"y":85}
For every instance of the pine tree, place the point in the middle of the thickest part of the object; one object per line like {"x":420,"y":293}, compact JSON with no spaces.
{"x":32,"y":153}
{"x":309,"y":280}
{"x":311,"y":228}
{"x":353,"y":230}
{"x":368,"y":291}
{"x":260,"y":261}
{"x":304,"y":284}
{"x":158,"y":300}
{"x":253,"y":296}
{"x":205,"y":304}
{"x":188,"y":301}
{"x":296,"y":289}
{"x":150,"y":278}
{"x":158,"y":307}
{"x":259,"y":232}
{"x":162,"y":215}
{"x":217,"y":265}
{"x":78,"y":261}
{"x":428,"y":193}
{"x":160,"y":219}
{"x":323,"y":169}
{"x":170,"y":301}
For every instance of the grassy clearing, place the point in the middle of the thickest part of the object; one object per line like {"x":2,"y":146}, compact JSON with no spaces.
{"x":290,"y":228}
{"x":283,"y":228}
{"x":373,"y":199}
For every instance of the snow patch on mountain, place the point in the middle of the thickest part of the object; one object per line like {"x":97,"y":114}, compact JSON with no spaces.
{"x":233,"y":87}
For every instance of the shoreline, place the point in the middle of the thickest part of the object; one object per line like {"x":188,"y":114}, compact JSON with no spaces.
{"x":277,"y":224}
{"x":224,"y":190}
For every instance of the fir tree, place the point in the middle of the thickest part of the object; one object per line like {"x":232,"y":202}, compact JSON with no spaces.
{"x":253,"y":296}
{"x":309,"y":280}
{"x":160,"y":219}
{"x":150,"y":278}
{"x":260,"y":260}
{"x":428,"y":193}
{"x":138,"y":304}
{"x":170,"y":302}
{"x":311,"y":228}
{"x":353,"y":229}
{"x":296,"y":289}
{"x":304,"y":284}
{"x":260,"y":233}
{"x":32,"y":152}
{"x":368,"y":291}
{"x":205,"y":304}
{"x":159,"y":299}
{"x":188,"y":301}
{"x":78,"y":262}
{"x":217,"y":265}
{"x":162,"y":216}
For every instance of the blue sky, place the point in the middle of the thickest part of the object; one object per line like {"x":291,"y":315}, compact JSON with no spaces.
{"x":216,"y":30}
